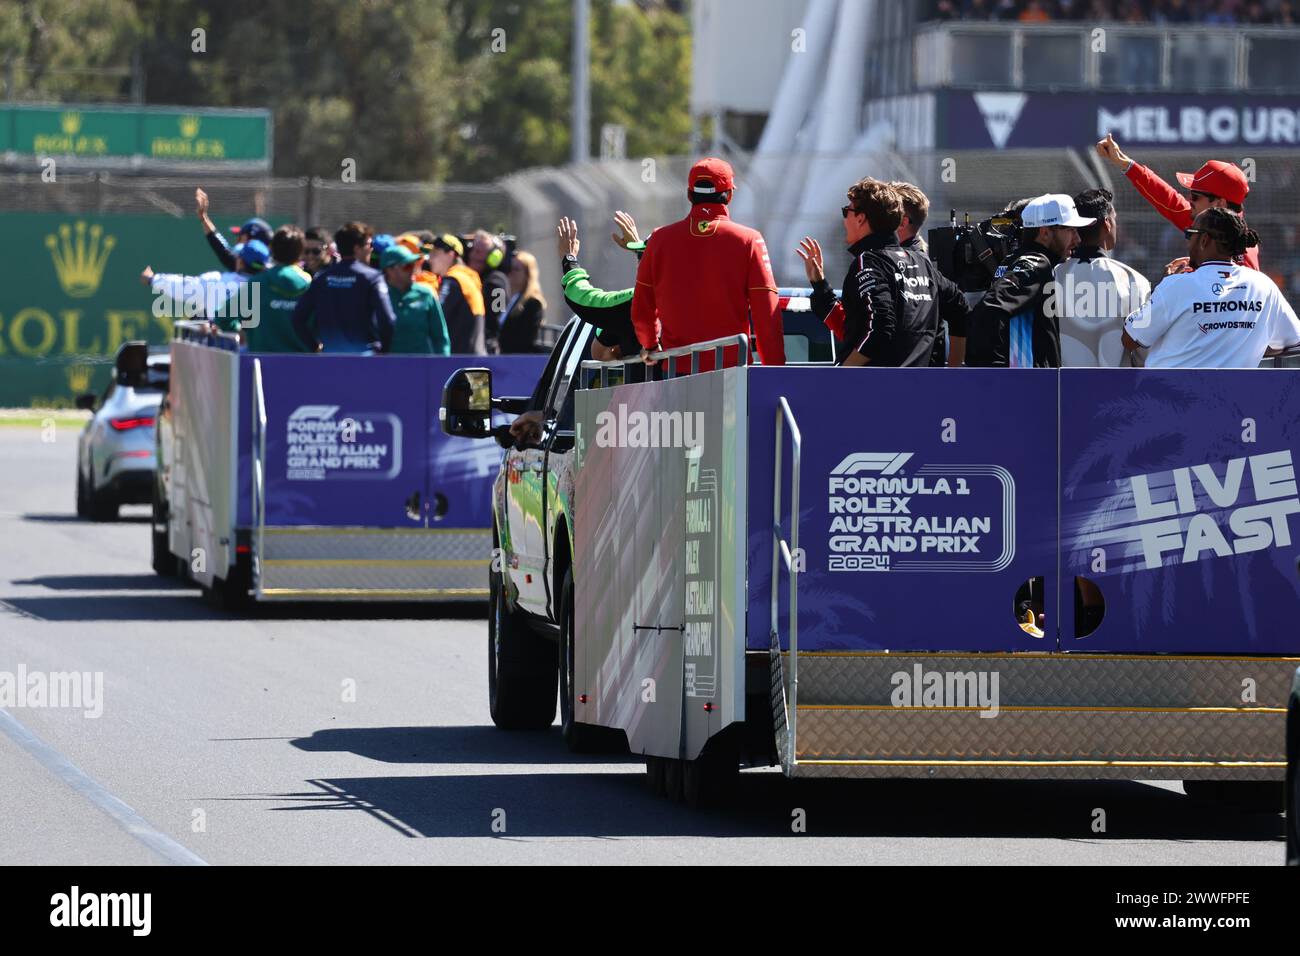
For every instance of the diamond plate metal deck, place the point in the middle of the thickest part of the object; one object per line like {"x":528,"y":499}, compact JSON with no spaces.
{"x":417,"y":564}
{"x":1068,"y":716}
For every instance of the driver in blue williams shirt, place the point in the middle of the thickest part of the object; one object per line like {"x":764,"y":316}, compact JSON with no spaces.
{"x":349,"y":300}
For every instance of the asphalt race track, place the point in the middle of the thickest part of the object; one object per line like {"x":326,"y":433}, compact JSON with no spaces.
{"x":232,"y":740}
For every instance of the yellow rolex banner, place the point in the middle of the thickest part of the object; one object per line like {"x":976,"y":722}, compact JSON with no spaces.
{"x":72,"y":294}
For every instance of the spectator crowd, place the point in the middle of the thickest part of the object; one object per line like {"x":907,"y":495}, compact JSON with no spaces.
{"x":355,"y":291}
{"x":1207,"y":12}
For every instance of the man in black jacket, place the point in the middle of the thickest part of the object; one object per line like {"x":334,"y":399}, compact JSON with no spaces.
{"x":865,"y":316}
{"x":1010,"y":328}
{"x":887,"y":314}
{"x":949,"y":302}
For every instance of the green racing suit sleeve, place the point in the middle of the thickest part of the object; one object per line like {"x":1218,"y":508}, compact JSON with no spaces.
{"x":610,"y":312}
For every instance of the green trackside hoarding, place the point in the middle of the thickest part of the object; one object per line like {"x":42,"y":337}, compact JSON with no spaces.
{"x":144,"y":135}
{"x":72,"y":294}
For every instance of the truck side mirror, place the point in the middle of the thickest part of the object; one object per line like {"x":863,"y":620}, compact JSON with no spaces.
{"x":466,"y":410}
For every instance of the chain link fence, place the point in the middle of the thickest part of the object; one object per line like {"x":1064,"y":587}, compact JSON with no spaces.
{"x":389,"y":207}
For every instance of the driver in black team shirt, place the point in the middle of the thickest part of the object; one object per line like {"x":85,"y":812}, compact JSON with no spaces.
{"x":951,"y":303}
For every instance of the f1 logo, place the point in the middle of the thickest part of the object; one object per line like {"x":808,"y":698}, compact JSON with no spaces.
{"x":884,"y":462}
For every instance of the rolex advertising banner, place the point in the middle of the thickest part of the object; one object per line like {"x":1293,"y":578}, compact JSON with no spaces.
{"x":72,"y":295}
{"x":130,"y":134}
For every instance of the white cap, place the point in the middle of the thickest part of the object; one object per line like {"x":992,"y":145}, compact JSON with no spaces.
{"x":1052,"y":209}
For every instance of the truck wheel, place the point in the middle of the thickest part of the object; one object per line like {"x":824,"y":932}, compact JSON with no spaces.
{"x":673,"y":778}
{"x":580,"y":738}
{"x":100,"y":504}
{"x":708,"y":782}
{"x":164,"y":563}
{"x":1260,"y":796}
{"x":522,"y":668}
{"x":233,"y":593}
{"x":83,"y":500}
{"x":655,"y":769}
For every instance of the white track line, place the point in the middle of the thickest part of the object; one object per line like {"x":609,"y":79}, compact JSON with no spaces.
{"x":130,"y":821}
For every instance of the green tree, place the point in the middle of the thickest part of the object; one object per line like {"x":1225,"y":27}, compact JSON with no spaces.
{"x":410,"y":89}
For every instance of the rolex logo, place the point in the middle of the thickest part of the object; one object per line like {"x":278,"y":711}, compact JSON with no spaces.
{"x":79,"y":378}
{"x":70,"y":123}
{"x":189,"y":126}
{"x":79,"y":257}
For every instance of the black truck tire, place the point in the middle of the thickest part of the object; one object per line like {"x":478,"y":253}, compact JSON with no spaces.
{"x":522,"y":668}
{"x":164,"y":562}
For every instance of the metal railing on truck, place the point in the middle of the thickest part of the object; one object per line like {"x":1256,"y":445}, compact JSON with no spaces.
{"x":716,"y":346}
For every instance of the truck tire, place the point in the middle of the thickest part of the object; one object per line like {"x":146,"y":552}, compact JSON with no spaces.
{"x":522,"y":668}
{"x":710,"y":779}
{"x":673,"y":778}
{"x":83,"y":499}
{"x":580,"y":738}
{"x":655,"y":771}
{"x":99,"y":504}
{"x":164,"y":563}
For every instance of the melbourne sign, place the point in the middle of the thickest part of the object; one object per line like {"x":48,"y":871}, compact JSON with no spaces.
{"x":1020,"y":120}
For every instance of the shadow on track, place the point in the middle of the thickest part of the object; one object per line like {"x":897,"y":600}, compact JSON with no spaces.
{"x":69,"y":518}
{"x":618,"y":804}
{"x":148,"y":597}
{"x":454,"y":745}
{"x":104,"y":582}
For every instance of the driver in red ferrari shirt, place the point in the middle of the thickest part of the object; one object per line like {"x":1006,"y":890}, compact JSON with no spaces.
{"x":706,"y":277}
{"x":1216,"y":184}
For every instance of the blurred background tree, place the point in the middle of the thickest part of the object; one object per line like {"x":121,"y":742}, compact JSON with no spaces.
{"x":432,"y":90}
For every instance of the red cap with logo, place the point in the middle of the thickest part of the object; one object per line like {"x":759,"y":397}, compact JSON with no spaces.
{"x":711,"y":175}
{"x":1217,"y":178}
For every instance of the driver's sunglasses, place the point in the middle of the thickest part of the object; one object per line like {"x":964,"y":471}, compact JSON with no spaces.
{"x":845,"y":210}
{"x":313,"y":251}
{"x":1200,"y":195}
{"x":1188,"y":233}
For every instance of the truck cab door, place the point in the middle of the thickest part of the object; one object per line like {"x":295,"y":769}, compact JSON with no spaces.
{"x":525,"y":556}
{"x":559,"y":443}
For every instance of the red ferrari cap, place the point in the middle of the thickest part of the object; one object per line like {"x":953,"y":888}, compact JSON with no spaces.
{"x":711,"y":175}
{"x":1218,"y":179}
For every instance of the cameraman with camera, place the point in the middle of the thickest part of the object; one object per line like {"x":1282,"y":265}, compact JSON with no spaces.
{"x":1010,"y":328}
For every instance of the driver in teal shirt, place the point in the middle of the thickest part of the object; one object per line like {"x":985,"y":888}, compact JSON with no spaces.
{"x":420,"y":327}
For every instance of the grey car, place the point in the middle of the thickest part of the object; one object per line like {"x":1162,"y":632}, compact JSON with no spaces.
{"x":115,"y":452}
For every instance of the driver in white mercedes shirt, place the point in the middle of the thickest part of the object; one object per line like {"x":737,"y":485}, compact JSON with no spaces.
{"x":1219,"y":314}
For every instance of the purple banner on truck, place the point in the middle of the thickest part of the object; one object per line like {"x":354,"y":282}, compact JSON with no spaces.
{"x":927,"y":499}
{"x":354,"y":441}
{"x":1179,"y":503}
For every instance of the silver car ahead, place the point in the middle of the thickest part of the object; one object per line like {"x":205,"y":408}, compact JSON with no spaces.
{"x":115,"y":453}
